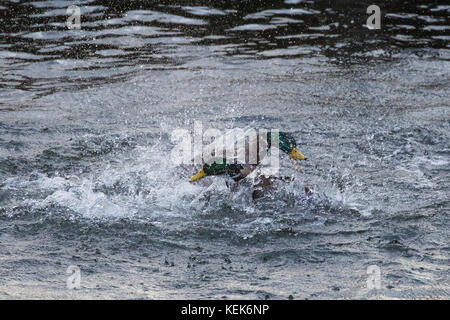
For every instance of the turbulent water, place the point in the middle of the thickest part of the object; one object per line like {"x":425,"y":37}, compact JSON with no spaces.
{"x":86,"y":118}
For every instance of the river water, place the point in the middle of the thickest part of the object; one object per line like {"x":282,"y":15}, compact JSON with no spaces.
{"x":86,"y":118}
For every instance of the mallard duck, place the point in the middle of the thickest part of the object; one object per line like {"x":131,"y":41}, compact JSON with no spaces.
{"x":238,"y":171}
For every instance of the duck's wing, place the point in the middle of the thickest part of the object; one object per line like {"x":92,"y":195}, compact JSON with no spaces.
{"x":237,"y":146}
{"x":239,"y":171}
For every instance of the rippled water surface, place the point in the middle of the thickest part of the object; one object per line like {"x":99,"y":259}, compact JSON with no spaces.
{"x":86,"y":118}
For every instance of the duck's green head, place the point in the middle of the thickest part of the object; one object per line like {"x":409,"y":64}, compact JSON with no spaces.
{"x":287,"y":144}
{"x":211,"y":170}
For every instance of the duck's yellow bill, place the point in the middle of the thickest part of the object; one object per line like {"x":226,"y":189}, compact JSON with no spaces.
{"x":198,"y":176}
{"x":295,"y":154}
